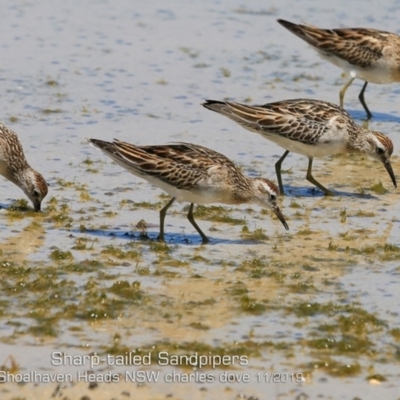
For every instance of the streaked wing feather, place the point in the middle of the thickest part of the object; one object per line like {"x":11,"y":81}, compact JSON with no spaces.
{"x":304,"y":120}
{"x":358,"y":46}
{"x":183,"y":153}
{"x":168,"y":163}
{"x":11,"y":145}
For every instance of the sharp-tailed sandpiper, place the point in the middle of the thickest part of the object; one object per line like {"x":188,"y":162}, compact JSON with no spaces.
{"x":313,"y":128}
{"x":14,"y":167}
{"x":192,"y":173}
{"x":367,"y":54}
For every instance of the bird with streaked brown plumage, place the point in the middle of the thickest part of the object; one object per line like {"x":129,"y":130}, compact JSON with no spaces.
{"x":368,"y":54}
{"x":310,"y":127}
{"x":15,"y":168}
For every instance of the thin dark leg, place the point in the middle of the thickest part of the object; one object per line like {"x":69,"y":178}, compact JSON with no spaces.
{"x":163,"y":213}
{"x":311,"y":179}
{"x":343,"y":91}
{"x":278,"y":166}
{"x":361,"y":98}
{"x":193,"y":222}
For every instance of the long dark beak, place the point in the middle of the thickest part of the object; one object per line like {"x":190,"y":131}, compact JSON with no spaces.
{"x":36,"y":206}
{"x":389,"y":169}
{"x":279,"y":214}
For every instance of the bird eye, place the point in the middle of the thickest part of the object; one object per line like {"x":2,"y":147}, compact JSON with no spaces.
{"x":36,"y":193}
{"x":380,"y":151}
{"x":273,"y":197}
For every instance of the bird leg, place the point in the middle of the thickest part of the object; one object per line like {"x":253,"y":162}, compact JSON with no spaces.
{"x":343,"y":91}
{"x":163,"y":213}
{"x":193,"y":222}
{"x":361,"y":98}
{"x":311,"y":179}
{"x":278,"y":166}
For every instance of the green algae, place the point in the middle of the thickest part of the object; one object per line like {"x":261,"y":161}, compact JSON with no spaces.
{"x":216,"y":214}
{"x":378,"y":188}
{"x":58,"y":255}
{"x":256,"y":234}
{"x":120,"y":253}
{"x":254,"y":283}
{"x":333,"y":368}
{"x":131,"y":291}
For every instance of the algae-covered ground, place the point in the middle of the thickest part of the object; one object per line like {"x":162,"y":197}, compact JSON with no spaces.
{"x":89,"y":296}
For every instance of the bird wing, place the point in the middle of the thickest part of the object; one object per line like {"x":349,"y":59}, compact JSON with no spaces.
{"x":357,"y":46}
{"x":303,"y":120}
{"x":188,"y":154}
{"x":181,"y":165}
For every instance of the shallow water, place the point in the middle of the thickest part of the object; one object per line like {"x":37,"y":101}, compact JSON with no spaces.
{"x":319,"y":300}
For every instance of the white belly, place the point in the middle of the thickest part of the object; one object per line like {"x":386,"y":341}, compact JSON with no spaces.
{"x":379,"y":73}
{"x":207,"y":192}
{"x":318,"y":150}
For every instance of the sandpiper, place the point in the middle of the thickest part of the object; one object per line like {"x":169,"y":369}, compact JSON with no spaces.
{"x":192,"y":173}
{"x":14,"y":167}
{"x":367,"y":54}
{"x":313,"y":128}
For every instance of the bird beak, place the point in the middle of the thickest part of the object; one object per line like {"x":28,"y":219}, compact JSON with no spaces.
{"x":389,"y":169}
{"x":36,"y":206}
{"x":279,"y":214}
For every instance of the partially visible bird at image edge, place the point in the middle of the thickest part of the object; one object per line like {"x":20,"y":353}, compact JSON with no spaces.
{"x":15,"y":168}
{"x":367,"y":54}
